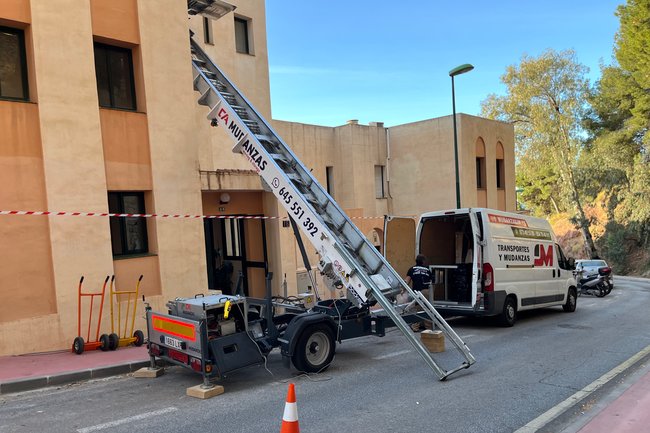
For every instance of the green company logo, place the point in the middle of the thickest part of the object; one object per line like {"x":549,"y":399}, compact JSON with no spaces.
{"x":519,"y":232}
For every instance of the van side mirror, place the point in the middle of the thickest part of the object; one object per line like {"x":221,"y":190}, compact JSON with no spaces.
{"x":572,"y":263}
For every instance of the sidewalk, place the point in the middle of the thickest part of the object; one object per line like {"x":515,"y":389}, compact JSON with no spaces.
{"x":623,"y":410}
{"x":628,"y":413}
{"x":32,"y":371}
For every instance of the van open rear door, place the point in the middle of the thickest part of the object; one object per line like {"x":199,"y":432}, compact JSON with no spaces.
{"x":477,"y":259}
{"x":399,"y":242}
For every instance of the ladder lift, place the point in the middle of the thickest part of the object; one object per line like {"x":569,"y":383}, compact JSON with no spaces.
{"x":347,"y":258}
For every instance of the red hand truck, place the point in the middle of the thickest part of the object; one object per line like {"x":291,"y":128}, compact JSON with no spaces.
{"x":79,"y":345}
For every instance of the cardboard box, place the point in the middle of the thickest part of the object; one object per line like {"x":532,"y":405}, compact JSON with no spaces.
{"x":434,"y":341}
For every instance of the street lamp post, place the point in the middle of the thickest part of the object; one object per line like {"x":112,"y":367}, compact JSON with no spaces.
{"x":457,"y":71}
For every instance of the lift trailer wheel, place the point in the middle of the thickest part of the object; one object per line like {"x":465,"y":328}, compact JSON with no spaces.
{"x":314,"y":350}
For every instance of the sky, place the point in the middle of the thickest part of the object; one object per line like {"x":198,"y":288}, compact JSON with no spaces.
{"x":386,"y":61}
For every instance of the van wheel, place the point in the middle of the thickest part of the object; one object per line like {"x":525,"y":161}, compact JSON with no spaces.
{"x":571,"y":300}
{"x":508,"y":316}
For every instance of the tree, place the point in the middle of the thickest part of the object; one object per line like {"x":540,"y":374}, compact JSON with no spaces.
{"x":538,"y":186}
{"x":618,"y":148}
{"x":546,"y":101}
{"x":632,"y":49}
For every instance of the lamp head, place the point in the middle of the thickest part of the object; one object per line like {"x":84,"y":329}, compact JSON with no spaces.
{"x":460,"y":69}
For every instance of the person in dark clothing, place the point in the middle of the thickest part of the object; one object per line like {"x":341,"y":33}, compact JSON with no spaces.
{"x":419,"y":277}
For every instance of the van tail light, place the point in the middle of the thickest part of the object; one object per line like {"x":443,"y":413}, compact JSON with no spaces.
{"x":488,"y":281}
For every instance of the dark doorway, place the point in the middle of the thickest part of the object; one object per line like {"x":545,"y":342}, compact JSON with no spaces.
{"x":234,"y":247}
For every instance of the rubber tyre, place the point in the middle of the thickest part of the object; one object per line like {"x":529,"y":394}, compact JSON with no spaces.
{"x":571,"y":300}
{"x":113,"y":341}
{"x":508,"y":316}
{"x":78,"y":345}
{"x":608,"y":288}
{"x":600,"y":291}
{"x":315,"y":349}
{"x":104,"y":342}
{"x":139,"y":338}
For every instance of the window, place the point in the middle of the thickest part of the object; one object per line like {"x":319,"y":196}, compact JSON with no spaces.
{"x":480,"y":164}
{"x":233,"y":238}
{"x":562,"y":260}
{"x":329,"y":175}
{"x":128,"y":235}
{"x":207,"y":31}
{"x":500,"y":174}
{"x":114,"y":71}
{"x":480,"y":173}
{"x":242,"y":42}
{"x":379,"y":181}
{"x":13,"y":64}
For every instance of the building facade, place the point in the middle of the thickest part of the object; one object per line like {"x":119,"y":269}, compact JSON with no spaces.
{"x":98,"y":114}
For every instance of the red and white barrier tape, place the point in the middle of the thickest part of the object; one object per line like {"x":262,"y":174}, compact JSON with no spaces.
{"x":152,"y":215}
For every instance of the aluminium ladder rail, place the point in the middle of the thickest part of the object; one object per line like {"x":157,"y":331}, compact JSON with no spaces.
{"x":346,"y":256}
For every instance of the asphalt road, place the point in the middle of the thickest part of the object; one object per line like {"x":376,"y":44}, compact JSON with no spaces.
{"x":375,"y":384}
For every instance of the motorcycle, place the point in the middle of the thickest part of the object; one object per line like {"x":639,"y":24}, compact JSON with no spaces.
{"x":598,"y":285}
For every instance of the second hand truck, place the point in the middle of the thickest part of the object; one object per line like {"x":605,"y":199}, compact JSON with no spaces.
{"x":217,"y":334}
{"x":123,"y":338}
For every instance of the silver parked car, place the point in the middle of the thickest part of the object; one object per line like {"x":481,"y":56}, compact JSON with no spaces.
{"x":590,"y":267}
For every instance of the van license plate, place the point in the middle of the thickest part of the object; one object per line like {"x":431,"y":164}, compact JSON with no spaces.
{"x":173,"y":342}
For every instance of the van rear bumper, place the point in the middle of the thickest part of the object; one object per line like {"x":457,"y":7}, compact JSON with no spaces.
{"x":492,"y":306}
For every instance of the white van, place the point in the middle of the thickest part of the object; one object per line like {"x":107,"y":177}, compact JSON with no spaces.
{"x":484,"y":262}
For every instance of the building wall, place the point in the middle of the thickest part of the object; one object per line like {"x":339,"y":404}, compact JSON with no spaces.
{"x":25,"y":245}
{"x":65,"y":115}
{"x":60,"y":151}
{"x":420,"y":152}
{"x":170,"y":116}
{"x":491,"y":132}
{"x":422,"y":168}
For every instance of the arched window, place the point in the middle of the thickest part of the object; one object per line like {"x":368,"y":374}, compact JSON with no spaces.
{"x":480,"y":164}
{"x":501,"y":175}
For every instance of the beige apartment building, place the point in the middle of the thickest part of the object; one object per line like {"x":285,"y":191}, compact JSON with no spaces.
{"x":98,"y":114}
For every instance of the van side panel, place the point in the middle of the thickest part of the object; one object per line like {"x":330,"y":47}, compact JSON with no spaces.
{"x":547,"y":274}
{"x":520,"y":250}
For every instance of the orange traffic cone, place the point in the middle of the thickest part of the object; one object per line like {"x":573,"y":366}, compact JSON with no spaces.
{"x":290,"y":416}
